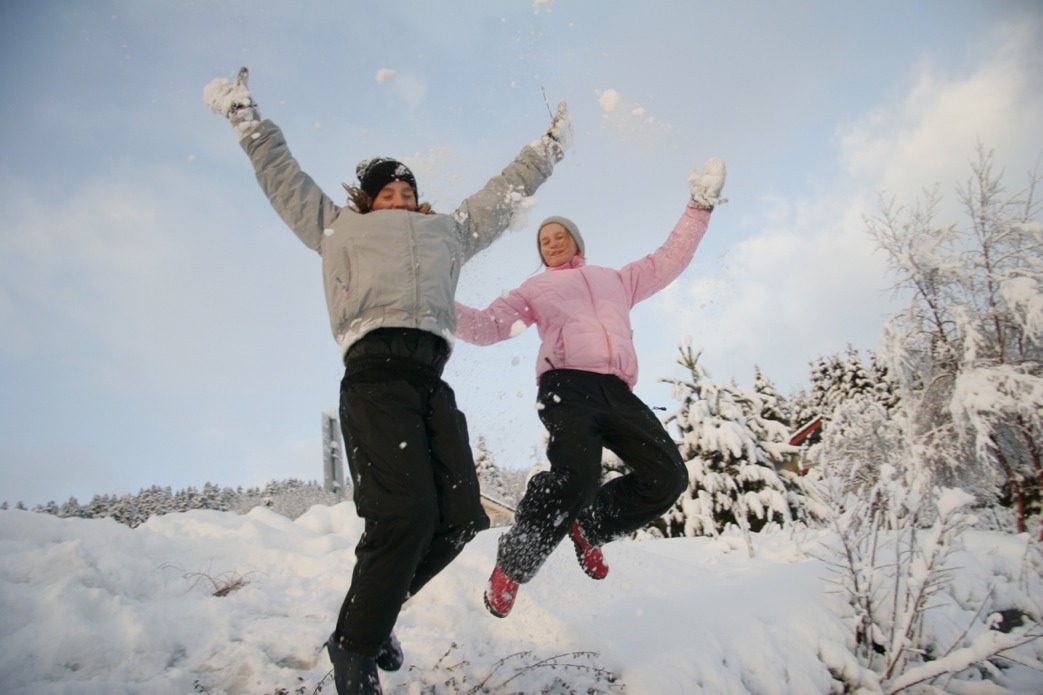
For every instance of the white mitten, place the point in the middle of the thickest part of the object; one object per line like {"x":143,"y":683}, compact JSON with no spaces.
{"x":706,"y":185}
{"x":233,"y":101}
{"x":558,"y":137}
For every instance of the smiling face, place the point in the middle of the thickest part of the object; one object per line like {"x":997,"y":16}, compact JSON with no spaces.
{"x":557,"y":246}
{"x":397,"y":195}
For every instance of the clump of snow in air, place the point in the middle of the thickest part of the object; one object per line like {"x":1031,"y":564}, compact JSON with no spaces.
{"x":385,"y":75}
{"x":539,"y":5}
{"x":631,"y":120}
{"x":609,"y":100}
{"x":525,"y":204}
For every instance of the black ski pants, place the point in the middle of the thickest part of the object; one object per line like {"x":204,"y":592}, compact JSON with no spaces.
{"x":584,"y":412}
{"x":413,"y":472}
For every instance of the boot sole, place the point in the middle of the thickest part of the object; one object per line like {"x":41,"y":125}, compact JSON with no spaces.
{"x":488,"y":607}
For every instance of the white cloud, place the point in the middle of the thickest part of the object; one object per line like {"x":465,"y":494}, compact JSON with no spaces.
{"x":804,"y":286}
{"x":809,"y":280}
{"x":928,"y":137}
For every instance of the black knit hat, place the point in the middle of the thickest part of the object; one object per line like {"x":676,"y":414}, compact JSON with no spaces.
{"x":378,"y":172}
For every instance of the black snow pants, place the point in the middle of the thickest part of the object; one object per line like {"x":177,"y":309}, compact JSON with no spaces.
{"x":583,"y":412}
{"x":413,"y":472}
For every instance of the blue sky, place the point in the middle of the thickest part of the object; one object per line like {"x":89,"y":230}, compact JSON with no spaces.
{"x":160,"y":325}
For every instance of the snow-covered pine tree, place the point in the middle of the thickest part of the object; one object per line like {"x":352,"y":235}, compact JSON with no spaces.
{"x":100,"y":507}
{"x":489,"y":475}
{"x":775,"y":406}
{"x":126,"y":510}
{"x":857,"y":402}
{"x":885,"y":391}
{"x":802,"y":409}
{"x":839,"y":378}
{"x":50,"y":507}
{"x":71,"y":508}
{"x":155,"y":501}
{"x":729,"y":448}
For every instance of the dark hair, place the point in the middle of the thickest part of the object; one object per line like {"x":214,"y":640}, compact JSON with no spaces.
{"x":362,"y":203}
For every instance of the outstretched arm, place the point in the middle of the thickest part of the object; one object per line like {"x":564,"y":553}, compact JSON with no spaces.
{"x":657,"y":270}
{"x":488,"y":213}
{"x":504,"y":318}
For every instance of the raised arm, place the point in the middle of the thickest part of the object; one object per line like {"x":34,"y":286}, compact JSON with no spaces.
{"x":488,"y":213}
{"x":655,"y":271}
{"x":295,"y":196}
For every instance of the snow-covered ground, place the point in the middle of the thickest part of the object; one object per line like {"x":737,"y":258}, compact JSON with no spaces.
{"x":92,"y":607}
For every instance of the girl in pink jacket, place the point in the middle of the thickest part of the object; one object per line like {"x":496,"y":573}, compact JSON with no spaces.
{"x":586,"y":370}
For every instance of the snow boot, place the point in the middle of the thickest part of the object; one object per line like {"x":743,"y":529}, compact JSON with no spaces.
{"x":590,"y":557}
{"x":390,"y":656}
{"x":500,"y":594}
{"x":353,"y":673}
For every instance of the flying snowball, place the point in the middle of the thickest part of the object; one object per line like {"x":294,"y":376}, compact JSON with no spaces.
{"x":385,"y":75}
{"x":609,"y":100}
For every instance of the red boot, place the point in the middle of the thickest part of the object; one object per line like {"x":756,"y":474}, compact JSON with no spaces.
{"x":590,"y":557}
{"x":499,"y":595}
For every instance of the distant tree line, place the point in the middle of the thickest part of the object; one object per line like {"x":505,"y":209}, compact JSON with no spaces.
{"x":291,"y":498}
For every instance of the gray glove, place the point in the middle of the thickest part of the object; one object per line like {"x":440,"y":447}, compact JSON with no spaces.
{"x":706,"y":185}
{"x":233,"y":101}
{"x":558,"y":137}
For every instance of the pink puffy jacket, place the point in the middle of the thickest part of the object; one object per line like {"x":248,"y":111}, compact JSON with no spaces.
{"x":582,"y":311}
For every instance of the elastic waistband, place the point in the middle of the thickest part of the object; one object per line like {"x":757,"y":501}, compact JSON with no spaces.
{"x":557,"y":378}
{"x":398,"y":347}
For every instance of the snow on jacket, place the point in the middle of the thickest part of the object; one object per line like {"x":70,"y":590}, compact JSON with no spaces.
{"x":582,"y":311}
{"x":389,"y":268}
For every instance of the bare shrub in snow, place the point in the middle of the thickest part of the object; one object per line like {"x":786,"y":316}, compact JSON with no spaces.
{"x":895,"y":551}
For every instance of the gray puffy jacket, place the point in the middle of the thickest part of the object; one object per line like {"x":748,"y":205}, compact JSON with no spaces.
{"x":389,"y":268}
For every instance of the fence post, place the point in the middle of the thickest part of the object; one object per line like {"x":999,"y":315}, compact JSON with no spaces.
{"x":332,"y":466}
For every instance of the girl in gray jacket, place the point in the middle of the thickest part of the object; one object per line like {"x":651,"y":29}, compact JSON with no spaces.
{"x":390,"y":267}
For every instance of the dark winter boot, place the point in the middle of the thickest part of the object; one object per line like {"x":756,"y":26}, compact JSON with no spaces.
{"x":590,"y":557}
{"x":499,"y":595}
{"x":390,"y":656}
{"x":353,"y":673}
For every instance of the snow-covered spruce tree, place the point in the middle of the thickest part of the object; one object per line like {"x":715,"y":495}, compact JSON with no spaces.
{"x":858,"y":402}
{"x":156,"y":500}
{"x":72,"y":508}
{"x":775,"y":406}
{"x":729,"y":447}
{"x":966,"y":353}
{"x":802,"y":409}
{"x":489,"y":475}
{"x":884,"y":390}
{"x":836,"y":379}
